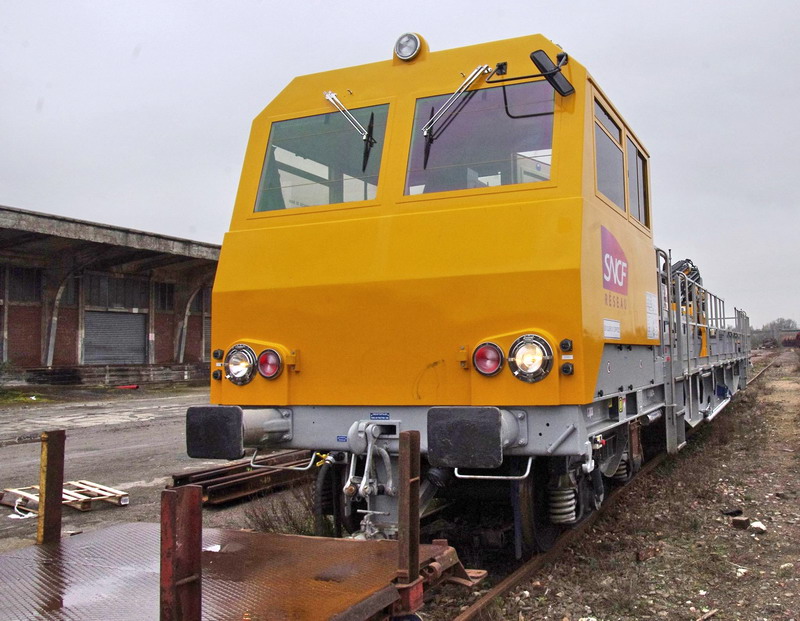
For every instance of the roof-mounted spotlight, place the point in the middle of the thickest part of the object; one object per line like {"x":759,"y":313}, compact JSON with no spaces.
{"x":408,"y":46}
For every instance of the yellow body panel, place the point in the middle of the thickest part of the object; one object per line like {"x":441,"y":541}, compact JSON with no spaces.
{"x":382,"y":302}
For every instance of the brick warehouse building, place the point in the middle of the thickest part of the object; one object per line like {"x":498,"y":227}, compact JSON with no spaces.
{"x":82,"y":302}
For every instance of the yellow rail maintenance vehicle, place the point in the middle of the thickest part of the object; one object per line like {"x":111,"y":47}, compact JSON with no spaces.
{"x":457,"y":242}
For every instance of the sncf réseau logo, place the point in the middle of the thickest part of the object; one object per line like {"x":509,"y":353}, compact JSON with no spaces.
{"x":615,"y":264}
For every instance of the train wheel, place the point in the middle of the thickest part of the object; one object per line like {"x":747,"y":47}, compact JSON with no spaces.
{"x":538,"y":532}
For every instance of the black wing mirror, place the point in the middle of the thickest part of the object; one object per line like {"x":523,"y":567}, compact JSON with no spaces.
{"x":552,"y":72}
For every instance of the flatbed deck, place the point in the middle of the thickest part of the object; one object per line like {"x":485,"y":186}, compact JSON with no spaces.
{"x":113,"y":575}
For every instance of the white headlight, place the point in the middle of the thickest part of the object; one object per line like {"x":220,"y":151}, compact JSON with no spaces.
{"x":240,"y":364}
{"x":530,"y":358}
{"x":407,"y":46}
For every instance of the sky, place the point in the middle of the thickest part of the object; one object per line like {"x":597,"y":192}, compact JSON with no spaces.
{"x":136,"y":113}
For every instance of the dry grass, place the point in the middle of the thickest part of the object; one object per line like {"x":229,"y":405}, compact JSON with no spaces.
{"x":289,"y":512}
{"x":10,"y":396}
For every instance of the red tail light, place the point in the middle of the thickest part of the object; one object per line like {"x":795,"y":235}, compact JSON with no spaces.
{"x":270,"y":364}
{"x":488,"y":359}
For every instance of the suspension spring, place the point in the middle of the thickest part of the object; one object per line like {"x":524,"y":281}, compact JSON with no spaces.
{"x":623,"y":470}
{"x":563,"y":505}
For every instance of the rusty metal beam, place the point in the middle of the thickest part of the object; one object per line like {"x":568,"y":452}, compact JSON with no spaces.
{"x":51,"y":484}
{"x":408,"y":537}
{"x":409,"y":583}
{"x":204,"y":475}
{"x":225,"y":483}
{"x":181,"y":553}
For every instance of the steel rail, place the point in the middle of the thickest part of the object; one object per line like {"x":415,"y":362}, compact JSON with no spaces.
{"x":222,"y":484}
{"x":757,"y":375}
{"x":237,"y":467}
{"x":539,"y":561}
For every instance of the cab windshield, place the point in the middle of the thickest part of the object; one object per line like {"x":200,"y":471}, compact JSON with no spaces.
{"x":322,"y":160}
{"x":493,"y":136}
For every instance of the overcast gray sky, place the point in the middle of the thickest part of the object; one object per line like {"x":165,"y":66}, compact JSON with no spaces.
{"x":136,"y":112}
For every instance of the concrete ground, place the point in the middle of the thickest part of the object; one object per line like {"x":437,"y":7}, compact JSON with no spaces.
{"x":131,"y":440}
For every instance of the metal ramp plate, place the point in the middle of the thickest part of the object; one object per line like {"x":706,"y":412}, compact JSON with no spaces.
{"x":113,"y":574}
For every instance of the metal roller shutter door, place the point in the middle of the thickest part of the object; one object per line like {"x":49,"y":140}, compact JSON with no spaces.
{"x":115,"y":338}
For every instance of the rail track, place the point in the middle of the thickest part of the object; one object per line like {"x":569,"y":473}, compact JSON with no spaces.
{"x":529,"y":568}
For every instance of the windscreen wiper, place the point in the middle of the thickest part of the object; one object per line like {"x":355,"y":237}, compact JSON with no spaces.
{"x":470,"y":79}
{"x":428,"y":144}
{"x":366,"y":134}
{"x":368,"y":142}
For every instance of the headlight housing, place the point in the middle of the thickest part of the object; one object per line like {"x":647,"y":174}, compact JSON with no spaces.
{"x":407,"y":46}
{"x":530,"y":358}
{"x":240,"y":364}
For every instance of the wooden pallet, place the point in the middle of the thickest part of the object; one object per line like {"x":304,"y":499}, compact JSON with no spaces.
{"x":79,"y":495}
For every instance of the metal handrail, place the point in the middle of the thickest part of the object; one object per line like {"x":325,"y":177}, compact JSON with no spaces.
{"x":314,"y":457}
{"x":490,"y":477}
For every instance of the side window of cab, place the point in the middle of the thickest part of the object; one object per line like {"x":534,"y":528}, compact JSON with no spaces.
{"x":638,"y":194}
{"x":608,"y":157}
{"x":621,"y":172}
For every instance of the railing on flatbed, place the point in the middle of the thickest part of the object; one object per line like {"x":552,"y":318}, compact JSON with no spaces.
{"x":697,"y":338}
